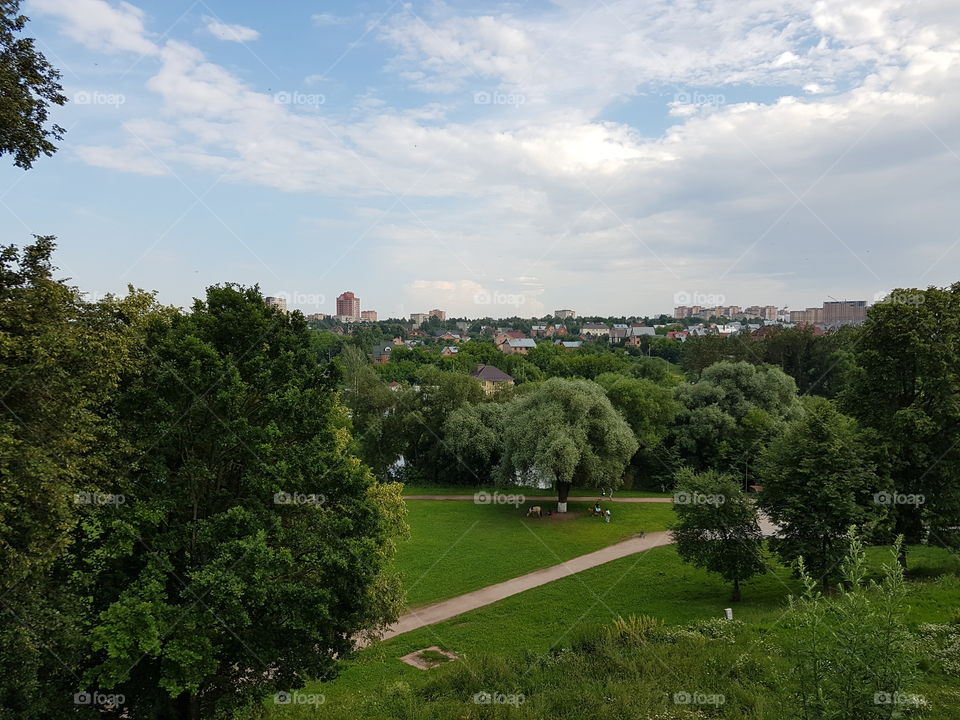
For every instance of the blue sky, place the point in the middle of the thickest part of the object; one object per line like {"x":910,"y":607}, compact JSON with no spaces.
{"x":500,"y":158}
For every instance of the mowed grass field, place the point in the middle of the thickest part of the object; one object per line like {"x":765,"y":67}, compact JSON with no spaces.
{"x":655,"y":583}
{"x":523,"y":490}
{"x":458,"y":546}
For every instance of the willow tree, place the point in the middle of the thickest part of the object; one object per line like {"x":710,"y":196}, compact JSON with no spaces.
{"x":565,"y":432}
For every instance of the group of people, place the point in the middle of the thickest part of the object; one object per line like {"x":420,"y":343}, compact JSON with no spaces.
{"x":597,"y":510}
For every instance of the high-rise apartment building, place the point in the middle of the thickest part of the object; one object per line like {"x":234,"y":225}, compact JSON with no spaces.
{"x":348,"y":305}
{"x":418,"y":318}
{"x":810,"y":316}
{"x":438,"y":314}
{"x":564,"y":314}
{"x":368,"y":315}
{"x":277,"y":302}
{"x":845,"y":312}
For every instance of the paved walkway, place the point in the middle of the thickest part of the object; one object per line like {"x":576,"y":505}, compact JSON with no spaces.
{"x":549,"y":498}
{"x":446,"y":609}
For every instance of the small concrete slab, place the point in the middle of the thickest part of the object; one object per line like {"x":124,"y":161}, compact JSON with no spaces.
{"x":416,"y":659}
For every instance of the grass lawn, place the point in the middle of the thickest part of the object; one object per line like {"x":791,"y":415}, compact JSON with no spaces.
{"x":653,"y":583}
{"x":456,"y":547}
{"x":526,"y":491}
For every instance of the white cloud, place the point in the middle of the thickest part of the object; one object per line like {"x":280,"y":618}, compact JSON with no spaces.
{"x":327,"y":19}
{"x":129,"y":158}
{"x":815,"y":188}
{"x":99,"y":25}
{"x":231,"y":33}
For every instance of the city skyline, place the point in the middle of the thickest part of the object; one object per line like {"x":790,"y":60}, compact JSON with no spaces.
{"x":780,"y":159}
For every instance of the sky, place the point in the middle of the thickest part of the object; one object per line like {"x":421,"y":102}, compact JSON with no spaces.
{"x":499,"y":159}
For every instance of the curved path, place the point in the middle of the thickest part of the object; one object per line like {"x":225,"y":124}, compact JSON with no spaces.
{"x":446,"y":609}
{"x":549,"y":498}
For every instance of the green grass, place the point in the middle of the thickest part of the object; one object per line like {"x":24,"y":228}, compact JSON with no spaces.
{"x":521,"y":490}
{"x":456,"y":547}
{"x":654,"y":583}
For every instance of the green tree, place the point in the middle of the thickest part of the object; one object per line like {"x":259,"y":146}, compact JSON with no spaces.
{"x":474,"y":433}
{"x":61,"y":360}
{"x":647,"y":407}
{"x":417,"y":426}
{"x":565,"y":432}
{"x":819,"y":479}
{"x":717,"y":527}
{"x":905,"y":387}
{"x":252,"y":546}
{"x":730,"y":413}
{"x":29,"y":85}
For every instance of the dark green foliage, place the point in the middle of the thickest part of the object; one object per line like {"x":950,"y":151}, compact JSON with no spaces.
{"x":818,"y":479}
{"x":717,"y":527}
{"x":906,"y":387}
{"x":29,"y":85}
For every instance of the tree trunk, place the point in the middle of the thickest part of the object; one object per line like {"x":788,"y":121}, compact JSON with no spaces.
{"x":736,"y":591}
{"x":187,"y":706}
{"x":563,"y":491}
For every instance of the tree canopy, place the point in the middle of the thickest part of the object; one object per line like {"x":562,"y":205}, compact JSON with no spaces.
{"x":29,"y":85}
{"x":565,"y":432}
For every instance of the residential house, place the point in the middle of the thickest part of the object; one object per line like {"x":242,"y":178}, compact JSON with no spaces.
{"x":594,"y":330}
{"x":449,"y":351}
{"x":568,"y":344}
{"x":504,"y":336}
{"x":381,"y":353}
{"x":538,"y":330}
{"x":519,"y":346}
{"x":492,"y":378}
{"x":450,"y":337}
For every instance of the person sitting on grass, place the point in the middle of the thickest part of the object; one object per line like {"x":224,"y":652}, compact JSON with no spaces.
{"x":596,"y":508}
{"x":606,"y":516}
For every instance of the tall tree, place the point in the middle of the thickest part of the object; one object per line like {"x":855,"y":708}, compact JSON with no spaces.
{"x":474,"y":433}
{"x":819,"y":479}
{"x":717,"y":528}
{"x":730,"y":413}
{"x":29,"y":85}
{"x":61,"y":359}
{"x":565,"y":432}
{"x":252,"y":546}
{"x":906,"y":387}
